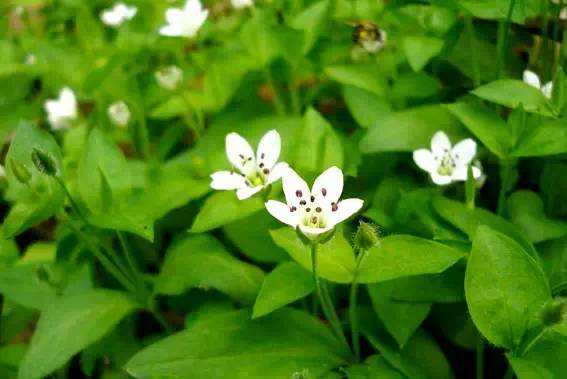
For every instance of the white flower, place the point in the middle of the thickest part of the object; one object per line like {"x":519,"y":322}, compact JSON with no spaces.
{"x":63,"y":110}
{"x":445,"y":163}
{"x":251,"y":173}
{"x":30,"y":59}
{"x":169,"y":77}
{"x":2,"y":172}
{"x":119,"y":13}
{"x":240,"y":4}
{"x":532,"y":79}
{"x":119,"y":113}
{"x":314,"y":211}
{"x":184,"y":22}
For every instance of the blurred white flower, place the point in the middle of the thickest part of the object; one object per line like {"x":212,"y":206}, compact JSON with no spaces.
{"x":446,"y":163}
{"x":240,"y":4}
{"x":251,"y":173}
{"x":186,"y":21}
{"x":30,"y":59}
{"x":119,"y":113}
{"x":314,"y":211}
{"x":119,"y":13}
{"x":169,"y":77}
{"x":533,"y":80}
{"x":63,"y":110}
{"x":2,"y":172}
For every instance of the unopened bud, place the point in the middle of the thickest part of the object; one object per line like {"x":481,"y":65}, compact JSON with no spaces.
{"x":555,"y":312}
{"x":366,"y":236}
{"x":20,"y":171}
{"x":169,"y":77}
{"x":119,"y":113}
{"x":43,"y":162}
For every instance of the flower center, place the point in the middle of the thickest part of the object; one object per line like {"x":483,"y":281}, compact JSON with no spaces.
{"x":446,"y":164}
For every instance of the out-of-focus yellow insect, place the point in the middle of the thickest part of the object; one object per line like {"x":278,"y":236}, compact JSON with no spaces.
{"x":367,"y":35}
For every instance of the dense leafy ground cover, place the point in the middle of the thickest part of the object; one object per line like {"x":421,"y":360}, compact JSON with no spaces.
{"x":283,"y":189}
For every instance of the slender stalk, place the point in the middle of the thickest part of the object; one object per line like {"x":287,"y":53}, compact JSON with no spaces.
{"x":469,"y":26}
{"x":278,"y":103}
{"x":479,"y":357}
{"x":503,"y":39}
{"x":555,"y":41}
{"x":353,"y":316}
{"x":128,"y":254}
{"x":161,"y":320}
{"x":295,"y":101}
{"x":545,"y":40}
{"x":506,"y":183}
{"x":329,"y":313}
{"x":104,"y":260}
{"x":71,"y":200}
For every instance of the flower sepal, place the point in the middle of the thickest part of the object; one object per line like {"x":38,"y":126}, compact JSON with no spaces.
{"x":314,"y":239}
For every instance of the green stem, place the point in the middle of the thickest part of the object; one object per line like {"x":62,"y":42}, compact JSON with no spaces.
{"x":469,"y":26}
{"x":503,"y":39}
{"x":104,"y":260}
{"x":71,"y":200}
{"x":128,"y":254}
{"x":556,"y":27}
{"x":295,"y":101}
{"x":479,"y":357}
{"x":161,"y":320}
{"x":354,"y":329}
{"x":278,"y":103}
{"x":545,"y":40}
{"x":509,"y":373}
{"x":506,"y":183}
{"x":329,"y":313}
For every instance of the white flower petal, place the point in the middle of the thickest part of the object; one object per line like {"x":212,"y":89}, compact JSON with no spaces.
{"x":269,"y":149}
{"x":344,"y":209}
{"x":295,"y":188}
{"x":246,"y":192}
{"x":239,"y":152}
{"x":312,"y":233}
{"x":193,"y":6}
{"x":282,"y":212}
{"x":227,"y":180}
{"x":329,"y":185}
{"x":424,"y":159}
{"x":170,"y":31}
{"x":547,"y":89}
{"x":440,"y":180}
{"x":461,"y":173}
{"x":440,"y":143}
{"x":277,"y":172}
{"x":174,"y":16}
{"x":464,"y":152}
{"x":532,"y":79}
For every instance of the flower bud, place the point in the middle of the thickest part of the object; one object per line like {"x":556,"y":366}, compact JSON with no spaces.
{"x":119,"y":114}
{"x":43,"y":162}
{"x":20,"y":171}
{"x":555,"y":312}
{"x":366,"y":236}
{"x":169,"y":77}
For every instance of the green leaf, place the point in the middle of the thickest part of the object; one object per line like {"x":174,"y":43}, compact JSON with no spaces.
{"x":398,"y":256}
{"x":42,"y":196}
{"x":105,"y":184}
{"x":547,"y":138}
{"x":233,"y":346}
{"x":335,"y":258}
{"x":69,"y":325}
{"x":311,"y":21}
{"x":544,"y":359}
{"x":222,"y":208}
{"x":317,"y":146}
{"x":554,"y":260}
{"x":202,"y":261}
{"x":420,"y":49}
{"x":285,"y":284}
{"x":485,"y":125}
{"x":512,"y":93}
{"x":525,"y":210}
{"x":446,"y":287}
{"x":252,"y":236}
{"x":469,"y":220}
{"x":20,"y":281}
{"x":373,"y":368}
{"x":505,"y":288}
{"x":400,"y":319}
{"x":366,"y":108}
{"x":363,"y":76}
{"x":409,"y":129}
{"x":455,"y":324}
